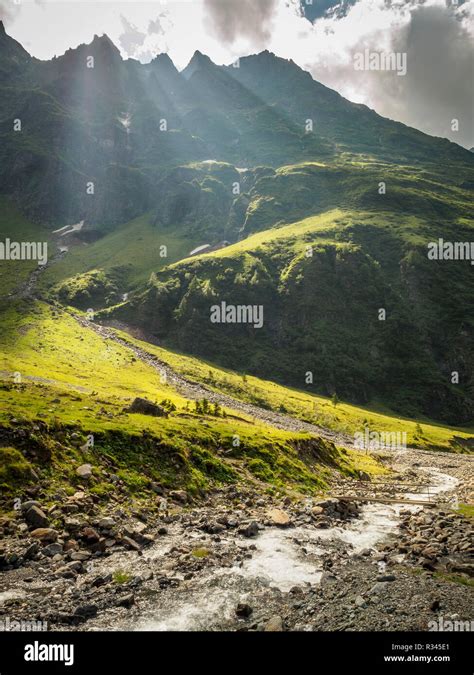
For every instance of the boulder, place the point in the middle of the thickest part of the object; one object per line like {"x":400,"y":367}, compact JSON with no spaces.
{"x":45,"y":534}
{"x":279,"y":517}
{"x":35,"y":517}
{"x":274,"y":624}
{"x":243,"y":610}
{"x":144,"y":407}
{"x":179,"y":496}
{"x":84,"y":471}
{"x":250,"y":530}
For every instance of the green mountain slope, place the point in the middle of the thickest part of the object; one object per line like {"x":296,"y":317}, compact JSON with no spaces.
{"x":322,"y":283}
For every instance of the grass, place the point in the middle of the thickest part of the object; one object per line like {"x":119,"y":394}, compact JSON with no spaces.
{"x":466,"y":510}
{"x":120,"y":577}
{"x":14,"y":468}
{"x":134,"y":248}
{"x":200,"y":552}
{"x":17,"y":228}
{"x":75,"y":382}
{"x":344,"y":418}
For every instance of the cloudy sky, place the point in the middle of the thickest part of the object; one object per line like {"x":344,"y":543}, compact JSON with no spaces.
{"x":322,"y":36}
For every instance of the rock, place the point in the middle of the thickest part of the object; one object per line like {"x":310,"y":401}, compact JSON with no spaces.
{"x":379,"y":587}
{"x":360,"y":602}
{"x":86,"y":611}
{"x":45,"y":534}
{"x":27,"y":505}
{"x":80,"y":556}
{"x":32,"y":550}
{"x":35,"y":517}
{"x":53,"y":549}
{"x":72,"y":524}
{"x":101,"y":580}
{"x":106,"y":523}
{"x":274,"y":624}
{"x":279,"y":517}
{"x":243,"y":610}
{"x":90,"y":535}
{"x":386,"y":577}
{"x":317,"y":510}
{"x":250,"y":530}
{"x":179,"y":496}
{"x":126,"y":600}
{"x":130,"y":543}
{"x":84,"y":471}
{"x":144,"y":407}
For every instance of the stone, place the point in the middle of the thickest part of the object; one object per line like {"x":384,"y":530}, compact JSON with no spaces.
{"x":130,"y":543}
{"x":126,"y":600}
{"x":84,"y":471}
{"x":250,"y":530}
{"x":80,"y":556}
{"x":179,"y":496}
{"x":279,"y":517}
{"x":32,"y":550}
{"x":35,"y":517}
{"x":53,"y":549}
{"x":144,"y":407}
{"x":45,"y":534}
{"x":386,"y":577}
{"x":90,"y":535}
{"x":360,"y":602}
{"x":106,"y":523}
{"x":86,"y":611}
{"x":274,"y":624}
{"x":243,"y":610}
{"x":28,"y":504}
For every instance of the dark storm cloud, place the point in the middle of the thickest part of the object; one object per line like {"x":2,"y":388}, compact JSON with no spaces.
{"x":437,"y":87}
{"x":250,"y":19}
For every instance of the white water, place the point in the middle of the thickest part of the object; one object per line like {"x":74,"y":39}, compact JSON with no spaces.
{"x":278,"y":562}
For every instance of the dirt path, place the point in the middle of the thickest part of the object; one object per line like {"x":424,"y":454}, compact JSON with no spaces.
{"x":195,"y":391}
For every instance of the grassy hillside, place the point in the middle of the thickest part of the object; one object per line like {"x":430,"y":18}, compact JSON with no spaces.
{"x":322,"y":283}
{"x":74,"y":383}
{"x":342,"y":417}
{"x":18,"y":228}
{"x":131,"y":253}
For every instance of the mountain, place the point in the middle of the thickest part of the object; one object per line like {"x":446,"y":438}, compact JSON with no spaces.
{"x":91,"y":117}
{"x":328,"y":208}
